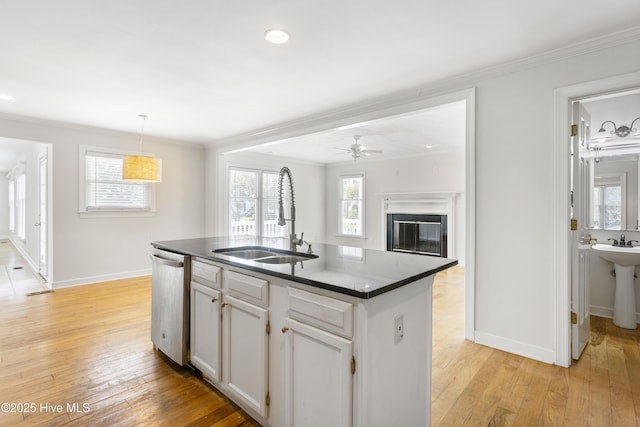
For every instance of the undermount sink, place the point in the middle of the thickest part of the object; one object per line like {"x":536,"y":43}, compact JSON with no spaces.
{"x":265,"y":255}
{"x":622,"y":255}
{"x":625,"y":259}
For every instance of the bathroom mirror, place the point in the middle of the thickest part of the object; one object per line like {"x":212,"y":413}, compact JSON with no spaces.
{"x":614,"y":195}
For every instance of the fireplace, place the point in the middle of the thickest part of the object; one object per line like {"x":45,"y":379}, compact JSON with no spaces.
{"x":417,"y":234}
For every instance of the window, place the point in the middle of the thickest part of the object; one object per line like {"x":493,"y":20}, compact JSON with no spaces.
{"x":12,"y":205}
{"x":102,"y":190}
{"x":608,"y":202}
{"x":606,"y":207}
{"x":351,"y":205}
{"x":21,"y":205}
{"x":253,"y":203}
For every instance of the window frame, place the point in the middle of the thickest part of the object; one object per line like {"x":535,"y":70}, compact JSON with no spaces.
{"x":11,"y":195}
{"x":259,"y":200}
{"x":110,"y":212}
{"x":340,"y":178}
{"x":21,"y":205}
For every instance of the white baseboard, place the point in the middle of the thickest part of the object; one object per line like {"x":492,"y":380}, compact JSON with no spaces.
{"x":542,"y":354}
{"x":100,"y":278}
{"x":601,"y":311}
{"x":607,"y":312}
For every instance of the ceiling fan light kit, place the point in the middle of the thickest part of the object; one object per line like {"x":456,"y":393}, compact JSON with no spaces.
{"x":358,"y":150}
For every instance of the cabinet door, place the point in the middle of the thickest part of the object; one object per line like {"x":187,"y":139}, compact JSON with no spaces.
{"x":246,"y":350}
{"x":319,"y":388}
{"x":205,"y":330}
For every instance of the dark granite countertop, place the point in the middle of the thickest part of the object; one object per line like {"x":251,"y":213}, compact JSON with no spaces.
{"x":363,"y":273}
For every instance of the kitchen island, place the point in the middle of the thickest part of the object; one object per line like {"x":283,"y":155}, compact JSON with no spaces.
{"x":341,"y":338}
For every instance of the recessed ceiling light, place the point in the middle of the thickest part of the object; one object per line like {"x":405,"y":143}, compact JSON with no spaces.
{"x":5,"y":97}
{"x":429,"y":146}
{"x":276,"y":36}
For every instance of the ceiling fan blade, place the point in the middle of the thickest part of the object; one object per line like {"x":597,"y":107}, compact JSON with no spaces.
{"x":374,"y":151}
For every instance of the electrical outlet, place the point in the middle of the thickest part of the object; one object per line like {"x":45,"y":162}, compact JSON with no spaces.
{"x":398,"y":324}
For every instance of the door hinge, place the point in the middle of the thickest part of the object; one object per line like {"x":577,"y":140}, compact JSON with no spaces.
{"x":267,"y":400}
{"x":268,"y":327}
{"x":574,"y":130}
{"x":574,"y":224}
{"x":353,"y":365}
{"x":574,"y":318}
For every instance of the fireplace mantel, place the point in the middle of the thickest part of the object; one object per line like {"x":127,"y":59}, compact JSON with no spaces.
{"x":421,"y":203}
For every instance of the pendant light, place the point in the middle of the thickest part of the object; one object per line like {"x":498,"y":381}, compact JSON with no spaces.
{"x":142,"y":168}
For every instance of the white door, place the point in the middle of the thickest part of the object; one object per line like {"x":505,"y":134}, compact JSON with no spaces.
{"x":205,"y":330}
{"x":318,"y":379}
{"x":246,"y":350}
{"x":42,"y":224}
{"x":580,"y":212}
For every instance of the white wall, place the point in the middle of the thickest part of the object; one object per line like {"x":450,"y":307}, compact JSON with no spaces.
{"x":515,"y":280}
{"x":436,"y":172}
{"x":96,"y":249}
{"x":309,"y":187}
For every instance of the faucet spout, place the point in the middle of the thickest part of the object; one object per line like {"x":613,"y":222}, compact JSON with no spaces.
{"x":281,"y":220}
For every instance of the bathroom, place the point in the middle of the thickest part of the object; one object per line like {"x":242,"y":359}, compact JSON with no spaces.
{"x":614,"y":195}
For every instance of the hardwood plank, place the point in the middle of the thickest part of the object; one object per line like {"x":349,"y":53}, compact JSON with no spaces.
{"x":90,"y":344}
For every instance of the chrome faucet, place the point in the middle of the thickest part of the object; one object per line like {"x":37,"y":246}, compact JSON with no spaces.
{"x":622,"y":240}
{"x":293,"y":239}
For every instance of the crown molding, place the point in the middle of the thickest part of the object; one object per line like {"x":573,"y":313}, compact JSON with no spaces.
{"x":429,"y":94}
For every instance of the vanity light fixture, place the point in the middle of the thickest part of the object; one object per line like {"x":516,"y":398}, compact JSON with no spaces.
{"x":621,"y":132}
{"x":142,"y":168}
{"x":276,"y":36}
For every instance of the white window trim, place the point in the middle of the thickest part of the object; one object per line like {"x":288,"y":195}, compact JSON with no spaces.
{"x":109,"y":213}
{"x":340,"y":177}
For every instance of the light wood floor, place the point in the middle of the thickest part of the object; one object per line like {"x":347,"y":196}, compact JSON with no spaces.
{"x":475,"y":385}
{"x":90,"y":345}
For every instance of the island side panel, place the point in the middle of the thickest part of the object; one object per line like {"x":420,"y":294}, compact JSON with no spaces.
{"x":393,"y":380}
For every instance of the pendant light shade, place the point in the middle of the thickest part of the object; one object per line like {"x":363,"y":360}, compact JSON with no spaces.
{"x":142,"y":168}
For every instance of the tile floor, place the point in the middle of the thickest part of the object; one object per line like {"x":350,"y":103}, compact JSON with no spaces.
{"x":16,"y":277}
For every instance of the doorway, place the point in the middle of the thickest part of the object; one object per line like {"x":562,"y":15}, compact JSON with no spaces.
{"x":28,"y":197}
{"x":564,"y":244}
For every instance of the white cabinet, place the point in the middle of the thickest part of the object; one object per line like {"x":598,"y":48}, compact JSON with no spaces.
{"x":319,"y":364}
{"x":229,"y":333}
{"x":246,"y":349}
{"x":205,"y":330}
{"x":246,"y":343}
{"x":318,"y":379}
{"x":337,"y":362}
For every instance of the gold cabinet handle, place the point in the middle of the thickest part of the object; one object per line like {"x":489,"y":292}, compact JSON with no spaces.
{"x":224,"y":304}
{"x":284,"y":329}
{"x":214,"y":299}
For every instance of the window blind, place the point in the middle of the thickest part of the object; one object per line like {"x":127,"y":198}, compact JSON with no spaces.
{"x":105,"y":189}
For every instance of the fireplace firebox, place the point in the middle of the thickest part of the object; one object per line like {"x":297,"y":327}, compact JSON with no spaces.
{"x":417,"y":234}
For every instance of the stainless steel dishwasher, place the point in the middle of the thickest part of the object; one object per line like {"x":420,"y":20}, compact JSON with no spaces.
{"x":169,"y":304}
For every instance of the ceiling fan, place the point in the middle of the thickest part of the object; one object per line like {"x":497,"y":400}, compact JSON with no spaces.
{"x":358,"y":150}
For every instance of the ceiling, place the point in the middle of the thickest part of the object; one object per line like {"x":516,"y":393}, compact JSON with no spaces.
{"x":441,"y":128}
{"x":202,"y":72}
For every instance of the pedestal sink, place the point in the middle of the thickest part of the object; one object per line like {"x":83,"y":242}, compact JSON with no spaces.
{"x":625,"y":259}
